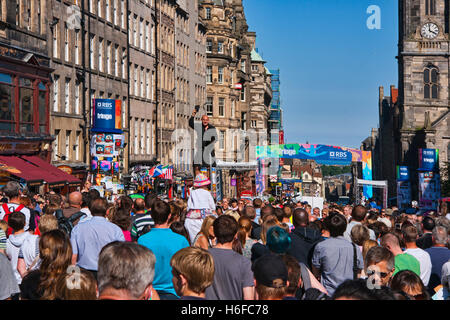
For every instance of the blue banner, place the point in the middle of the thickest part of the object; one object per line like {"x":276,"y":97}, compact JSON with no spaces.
{"x":107,"y":116}
{"x":428,"y":160}
{"x":402,"y":173}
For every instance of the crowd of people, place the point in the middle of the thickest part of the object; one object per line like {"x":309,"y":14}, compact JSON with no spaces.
{"x":81,"y":247}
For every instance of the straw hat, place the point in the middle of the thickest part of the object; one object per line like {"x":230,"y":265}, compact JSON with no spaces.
{"x":201,"y":180}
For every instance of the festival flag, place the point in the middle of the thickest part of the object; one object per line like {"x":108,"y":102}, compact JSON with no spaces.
{"x":168,"y":174}
{"x":158,"y":171}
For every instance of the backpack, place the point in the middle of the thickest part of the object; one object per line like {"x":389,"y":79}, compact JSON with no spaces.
{"x":8,"y":213}
{"x":66,"y":224}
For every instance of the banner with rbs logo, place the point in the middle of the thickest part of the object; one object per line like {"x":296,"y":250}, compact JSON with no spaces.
{"x":107,"y":116}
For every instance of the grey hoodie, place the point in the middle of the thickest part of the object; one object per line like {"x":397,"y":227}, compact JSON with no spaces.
{"x":13,"y":245}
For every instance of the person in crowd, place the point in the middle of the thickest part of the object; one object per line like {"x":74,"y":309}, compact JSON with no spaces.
{"x":121,"y":218}
{"x":409,"y":284}
{"x":233,"y":277}
{"x":55,"y":252}
{"x":303,"y":237}
{"x":164,"y":243}
{"x":403,"y":261}
{"x":439,"y":255}
{"x":205,"y":238}
{"x":367,"y":245}
{"x":336,"y":259}
{"x":75,"y":200}
{"x":142,"y":221}
{"x":358,"y":217}
{"x":193,"y":272}
{"x":294,"y":289}
{"x":251,"y":213}
{"x":3,"y":228}
{"x":260,"y":247}
{"x":200,"y":204}
{"x":278,"y":240}
{"x":348,"y":212}
{"x":271,"y":277}
{"x":88,"y":238}
{"x":359,"y":235}
{"x":34,"y":215}
{"x":83,"y":286}
{"x":9,"y":287}
{"x":379,"y":266}
{"x":85,"y":203}
{"x":410,"y":236}
{"x":257,"y":205}
{"x":358,"y":290}
{"x":12,"y":191}
{"x":28,"y":259}
{"x":19,"y":239}
{"x":245,"y":229}
{"x":426,"y":241}
{"x":126,"y":271}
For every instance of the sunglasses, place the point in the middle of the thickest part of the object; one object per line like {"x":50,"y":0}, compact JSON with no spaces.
{"x":374,"y":272}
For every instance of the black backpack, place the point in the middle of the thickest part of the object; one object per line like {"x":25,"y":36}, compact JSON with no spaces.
{"x":66,"y":224}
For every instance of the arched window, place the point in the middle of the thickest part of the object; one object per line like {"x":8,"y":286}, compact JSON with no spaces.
{"x":430,"y":7}
{"x":431,"y":83}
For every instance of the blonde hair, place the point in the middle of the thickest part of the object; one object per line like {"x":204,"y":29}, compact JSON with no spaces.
{"x":206,"y":225}
{"x":266,"y":226}
{"x":359,"y":234}
{"x":47,"y":222}
{"x":196,"y":265}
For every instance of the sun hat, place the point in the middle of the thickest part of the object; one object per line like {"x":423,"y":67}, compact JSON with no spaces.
{"x":201,"y":180}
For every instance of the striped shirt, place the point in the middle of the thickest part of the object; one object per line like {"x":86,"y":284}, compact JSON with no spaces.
{"x":2,"y":240}
{"x":140,"y":221}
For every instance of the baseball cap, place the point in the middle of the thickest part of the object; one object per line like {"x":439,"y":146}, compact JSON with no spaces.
{"x":388,"y":212}
{"x":271,"y":271}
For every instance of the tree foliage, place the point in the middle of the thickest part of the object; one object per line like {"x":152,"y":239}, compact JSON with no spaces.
{"x":335,"y":170}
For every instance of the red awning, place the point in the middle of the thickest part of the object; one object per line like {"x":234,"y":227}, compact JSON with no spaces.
{"x":25,"y":170}
{"x":53,"y":174}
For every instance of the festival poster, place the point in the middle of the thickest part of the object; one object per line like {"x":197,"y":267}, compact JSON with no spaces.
{"x":429,"y":190}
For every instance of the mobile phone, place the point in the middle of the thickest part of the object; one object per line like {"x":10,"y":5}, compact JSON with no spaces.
{"x":197,"y":107}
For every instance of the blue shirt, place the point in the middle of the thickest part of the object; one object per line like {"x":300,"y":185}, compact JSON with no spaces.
{"x":439,"y":256}
{"x":334,"y":258}
{"x":164,"y":243}
{"x":89,"y":237}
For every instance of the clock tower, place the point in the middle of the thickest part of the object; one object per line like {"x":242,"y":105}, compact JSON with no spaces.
{"x":421,"y":119}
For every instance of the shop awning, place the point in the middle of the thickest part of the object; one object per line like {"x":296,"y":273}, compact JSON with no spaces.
{"x":34,"y":170}
{"x":22,"y":169}
{"x":53,"y":174}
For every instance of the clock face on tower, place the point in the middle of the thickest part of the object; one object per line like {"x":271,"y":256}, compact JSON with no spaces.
{"x":429,"y":30}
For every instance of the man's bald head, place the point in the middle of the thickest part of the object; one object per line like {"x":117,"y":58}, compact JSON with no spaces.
{"x":139,"y":205}
{"x":205,"y":120}
{"x":75,"y":198}
{"x":300,"y":218}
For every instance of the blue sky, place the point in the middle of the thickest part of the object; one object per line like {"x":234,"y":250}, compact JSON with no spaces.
{"x":331,"y":64}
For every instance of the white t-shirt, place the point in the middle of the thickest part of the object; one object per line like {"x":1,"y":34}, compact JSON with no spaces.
{"x":12,"y":207}
{"x":201,"y":199}
{"x":425,"y":263}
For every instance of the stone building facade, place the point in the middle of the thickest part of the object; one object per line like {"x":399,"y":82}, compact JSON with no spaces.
{"x":142,"y":86}
{"x":229,"y":91}
{"x":88,"y":51}
{"x":190,"y":74}
{"x":418,"y":117}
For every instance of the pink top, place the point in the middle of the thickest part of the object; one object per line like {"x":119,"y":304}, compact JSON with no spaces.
{"x":127,"y":235}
